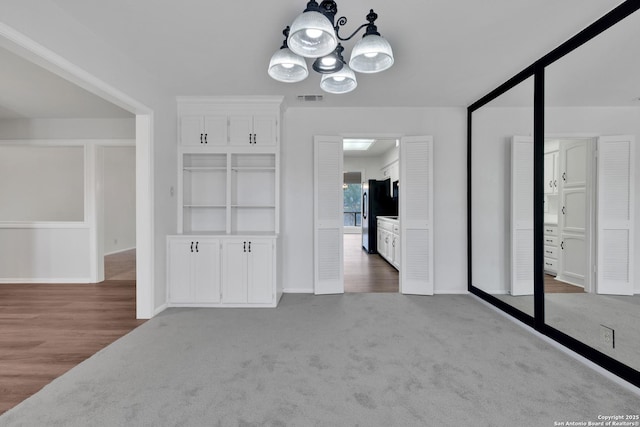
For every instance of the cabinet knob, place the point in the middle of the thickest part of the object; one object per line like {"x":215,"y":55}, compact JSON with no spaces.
{"x":249,"y":138}
{"x":564,"y":176}
{"x":562,"y":245}
{"x":205,"y":138}
{"x":197,"y":247}
{"x":564,"y":210}
{"x":201,"y":138}
{"x":244,"y":247}
{"x":191,"y":246}
{"x":249,"y":247}
{"x":254,"y":138}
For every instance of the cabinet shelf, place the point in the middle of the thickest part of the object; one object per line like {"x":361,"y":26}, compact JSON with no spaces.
{"x":268,"y":206}
{"x":204,"y":168}
{"x":253,"y":168}
{"x":206,"y":206}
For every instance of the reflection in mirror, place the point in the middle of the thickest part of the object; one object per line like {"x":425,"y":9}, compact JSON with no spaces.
{"x":502,"y":197}
{"x":592,"y":122}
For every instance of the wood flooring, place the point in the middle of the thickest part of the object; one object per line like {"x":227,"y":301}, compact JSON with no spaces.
{"x":366,"y":272}
{"x":46,"y":329}
{"x":553,"y":286}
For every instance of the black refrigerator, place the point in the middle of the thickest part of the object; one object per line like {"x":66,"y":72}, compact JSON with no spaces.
{"x":376,"y":201}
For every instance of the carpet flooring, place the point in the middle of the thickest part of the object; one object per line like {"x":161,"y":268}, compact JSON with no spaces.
{"x":339,"y":360}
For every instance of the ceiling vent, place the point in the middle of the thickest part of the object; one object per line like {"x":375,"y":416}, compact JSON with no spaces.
{"x":310,"y":98}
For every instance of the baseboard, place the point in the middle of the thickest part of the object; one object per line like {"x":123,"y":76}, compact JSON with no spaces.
{"x":160,"y":309}
{"x":119,"y":251}
{"x":297,"y":291}
{"x":57,"y":280}
{"x":456,"y":292}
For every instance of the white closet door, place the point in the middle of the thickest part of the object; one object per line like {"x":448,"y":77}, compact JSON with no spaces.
{"x":416,"y":215}
{"x":328,"y":216}
{"x":615,"y":215}
{"x":521,"y":216}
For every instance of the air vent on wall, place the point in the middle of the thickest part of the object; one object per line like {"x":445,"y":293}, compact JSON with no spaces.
{"x":310,"y":98}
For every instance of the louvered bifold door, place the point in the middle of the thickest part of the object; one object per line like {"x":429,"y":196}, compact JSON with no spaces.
{"x":615,"y":215}
{"x":416,"y":215}
{"x":328,"y":216}
{"x":521,"y":216}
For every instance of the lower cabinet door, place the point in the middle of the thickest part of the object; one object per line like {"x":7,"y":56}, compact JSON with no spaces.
{"x":260,"y":271}
{"x":179,"y":271}
{"x":234,"y":271}
{"x":206,"y":271}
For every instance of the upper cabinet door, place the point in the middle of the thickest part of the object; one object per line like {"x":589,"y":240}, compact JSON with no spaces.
{"x":192,"y":130}
{"x":241,"y":130}
{"x":215,"y":130}
{"x":265,"y":130}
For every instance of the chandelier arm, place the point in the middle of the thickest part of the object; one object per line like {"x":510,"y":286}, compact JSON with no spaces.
{"x":352,"y":34}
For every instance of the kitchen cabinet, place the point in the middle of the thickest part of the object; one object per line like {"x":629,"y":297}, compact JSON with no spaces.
{"x":248,"y":271}
{"x":392,"y":171}
{"x":201,"y":130}
{"x":551,"y":249}
{"x":193,"y":270}
{"x":551,"y":168}
{"x":389,"y":240}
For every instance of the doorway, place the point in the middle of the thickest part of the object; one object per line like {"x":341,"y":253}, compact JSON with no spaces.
{"x":415,"y":219}
{"x":364,"y":272}
{"x":367,"y":194}
{"x":568,"y":219}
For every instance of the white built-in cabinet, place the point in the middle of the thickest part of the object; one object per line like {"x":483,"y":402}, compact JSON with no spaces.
{"x":228,"y":197}
{"x":248,"y":270}
{"x":193,"y":269}
{"x":388,"y":240}
{"x":551,"y":248}
{"x":551,"y":172}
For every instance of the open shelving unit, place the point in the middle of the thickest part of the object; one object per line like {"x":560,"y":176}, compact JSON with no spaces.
{"x":229,"y":193}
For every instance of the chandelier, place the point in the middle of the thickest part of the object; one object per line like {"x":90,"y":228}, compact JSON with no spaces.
{"x":313,"y":34}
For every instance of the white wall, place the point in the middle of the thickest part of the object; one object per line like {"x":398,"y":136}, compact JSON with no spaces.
{"x":369,"y":166}
{"x":68,"y":129}
{"x":447,"y":125}
{"x":119,"y":169}
{"x":42,"y":183}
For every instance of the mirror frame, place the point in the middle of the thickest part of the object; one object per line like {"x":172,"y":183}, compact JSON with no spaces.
{"x":537,"y":70}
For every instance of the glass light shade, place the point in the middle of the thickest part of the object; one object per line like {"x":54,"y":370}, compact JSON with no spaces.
{"x":341,"y":82}
{"x":286,"y":66}
{"x":312,"y":35}
{"x":371,"y":54}
{"x":328,"y":64}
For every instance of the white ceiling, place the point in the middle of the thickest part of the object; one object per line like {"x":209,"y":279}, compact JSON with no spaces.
{"x":377,"y":149}
{"x":448,"y":53}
